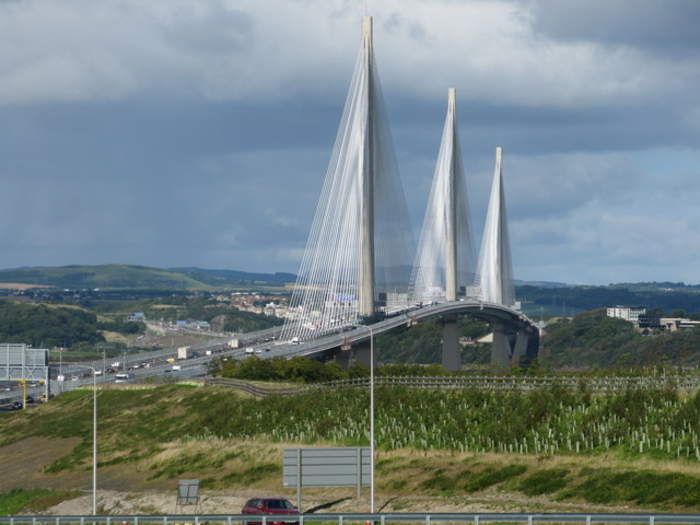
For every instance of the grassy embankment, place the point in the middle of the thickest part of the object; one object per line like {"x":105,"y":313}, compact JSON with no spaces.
{"x":32,"y":500}
{"x":637,"y":448}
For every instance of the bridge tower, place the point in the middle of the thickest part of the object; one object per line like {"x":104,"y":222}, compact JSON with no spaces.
{"x":444,"y":264}
{"x":495,"y":265}
{"x":496,"y":270}
{"x":358,"y":253}
{"x":366,"y":282}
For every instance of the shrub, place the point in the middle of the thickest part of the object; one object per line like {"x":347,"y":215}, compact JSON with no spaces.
{"x":544,"y":482}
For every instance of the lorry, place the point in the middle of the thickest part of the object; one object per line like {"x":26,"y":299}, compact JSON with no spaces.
{"x":233,"y":343}
{"x":250,"y":350}
{"x":183,"y":352}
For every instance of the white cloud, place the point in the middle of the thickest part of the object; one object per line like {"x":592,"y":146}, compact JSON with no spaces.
{"x":241,"y":49}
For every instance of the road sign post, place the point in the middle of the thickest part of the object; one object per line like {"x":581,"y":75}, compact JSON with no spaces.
{"x":326,"y":467}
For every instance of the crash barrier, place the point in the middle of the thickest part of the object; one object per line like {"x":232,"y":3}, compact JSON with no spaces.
{"x":344,"y":519}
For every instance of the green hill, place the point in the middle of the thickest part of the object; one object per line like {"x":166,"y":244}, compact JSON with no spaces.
{"x":593,"y":340}
{"x":124,"y":276}
{"x":43,"y":325}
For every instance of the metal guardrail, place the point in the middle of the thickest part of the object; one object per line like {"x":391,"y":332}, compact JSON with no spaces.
{"x":505,"y":383}
{"x":340,"y":519}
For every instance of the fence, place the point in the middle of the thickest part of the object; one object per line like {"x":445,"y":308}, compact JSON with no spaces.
{"x":255,"y":390}
{"x":594,"y":384}
{"x":341,"y":519}
{"x":524,"y":383}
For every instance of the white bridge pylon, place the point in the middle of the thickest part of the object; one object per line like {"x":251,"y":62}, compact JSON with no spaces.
{"x":359,"y":258}
{"x":495,"y":265}
{"x":358,"y":253}
{"x":444,"y":267}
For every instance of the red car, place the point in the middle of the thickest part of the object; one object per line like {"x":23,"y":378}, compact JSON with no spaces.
{"x":271,"y":506}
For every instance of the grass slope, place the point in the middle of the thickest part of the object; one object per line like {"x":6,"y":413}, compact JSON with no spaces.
{"x":638,"y":447}
{"x":32,"y":500}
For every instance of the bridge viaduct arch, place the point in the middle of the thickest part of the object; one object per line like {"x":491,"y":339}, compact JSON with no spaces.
{"x":515,"y":337}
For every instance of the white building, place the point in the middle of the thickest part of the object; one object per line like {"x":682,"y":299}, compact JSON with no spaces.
{"x":628,"y":313}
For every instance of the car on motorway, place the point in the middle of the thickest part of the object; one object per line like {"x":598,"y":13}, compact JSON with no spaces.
{"x":16,"y":405}
{"x":276,"y":506}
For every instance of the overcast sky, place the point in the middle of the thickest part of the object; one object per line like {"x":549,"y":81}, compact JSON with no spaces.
{"x":197,"y":132}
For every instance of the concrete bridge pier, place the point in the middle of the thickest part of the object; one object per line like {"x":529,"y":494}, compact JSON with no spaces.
{"x":520,"y":347}
{"x":362,"y":355}
{"x":342,"y":358}
{"x":500,"y":348}
{"x":451,"y":352}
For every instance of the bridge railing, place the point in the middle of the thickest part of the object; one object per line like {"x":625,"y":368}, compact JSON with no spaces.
{"x":342,"y":519}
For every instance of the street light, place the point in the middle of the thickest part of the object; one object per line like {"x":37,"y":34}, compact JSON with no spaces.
{"x":371,"y":414}
{"x":94,"y":434}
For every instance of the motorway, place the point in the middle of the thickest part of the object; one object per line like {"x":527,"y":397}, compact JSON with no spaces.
{"x":263,"y":346}
{"x":79,"y":374}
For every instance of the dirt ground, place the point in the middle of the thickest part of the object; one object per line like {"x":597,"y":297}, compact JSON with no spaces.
{"x":22,"y":463}
{"x":213,"y":502}
{"x":131,"y":489}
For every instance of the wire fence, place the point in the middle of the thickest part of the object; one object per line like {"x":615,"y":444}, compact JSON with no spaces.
{"x":523,"y":383}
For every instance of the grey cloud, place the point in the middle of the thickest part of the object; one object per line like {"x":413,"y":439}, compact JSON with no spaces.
{"x":199,"y":135}
{"x":209,"y":28}
{"x":666,"y":27}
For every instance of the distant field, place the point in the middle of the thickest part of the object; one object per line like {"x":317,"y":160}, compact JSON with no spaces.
{"x":21,"y":286}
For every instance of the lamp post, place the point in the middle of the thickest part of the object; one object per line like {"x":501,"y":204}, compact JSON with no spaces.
{"x":371,"y":419}
{"x":371,"y":414}
{"x":94,"y":434}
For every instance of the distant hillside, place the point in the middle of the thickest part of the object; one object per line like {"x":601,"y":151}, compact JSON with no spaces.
{"x":217,"y":277}
{"x":42,"y":325}
{"x":569,"y":300}
{"x":593,"y":340}
{"x":116,"y":276}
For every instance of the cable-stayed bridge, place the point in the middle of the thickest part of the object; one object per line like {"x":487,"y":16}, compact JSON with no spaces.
{"x":359,"y":266}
